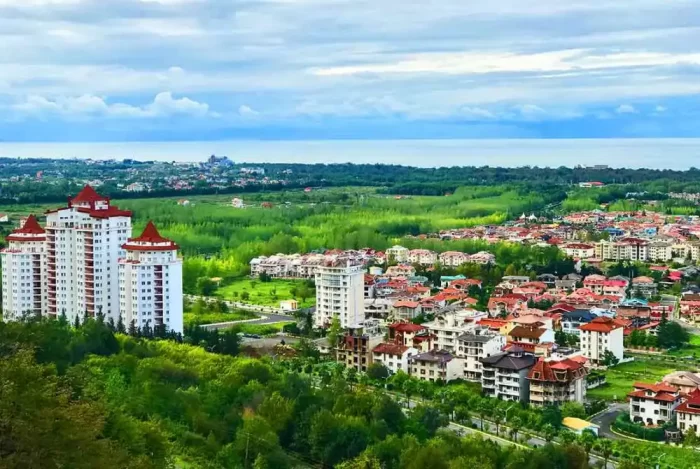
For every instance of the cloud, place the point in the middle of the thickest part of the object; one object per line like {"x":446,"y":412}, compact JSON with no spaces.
{"x":163,"y":105}
{"x":513,"y":61}
{"x":626,"y":109}
{"x":247,"y":111}
{"x":660,"y":109}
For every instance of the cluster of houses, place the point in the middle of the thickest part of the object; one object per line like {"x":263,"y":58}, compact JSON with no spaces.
{"x":307,"y":265}
{"x":675,"y":399}
{"x":510,"y":348}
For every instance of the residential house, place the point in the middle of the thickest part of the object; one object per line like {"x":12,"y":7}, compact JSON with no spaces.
{"x":601,"y":335}
{"x":473,"y":346}
{"x":422,"y":257}
{"x":555,"y":382}
{"x":394,"y":356}
{"x":355,"y":349}
{"x":398,"y":254}
{"x":646,"y":286}
{"x":504,"y":375}
{"x":453,"y":258}
{"x":653,"y":404}
{"x":688,"y":412}
{"x":435,"y":366}
{"x":448,"y":326}
{"x":579,"y":250}
{"x":533,"y":333}
{"x":405,"y":310}
{"x":685,"y":381}
{"x":411,"y":335}
{"x":571,"y":321}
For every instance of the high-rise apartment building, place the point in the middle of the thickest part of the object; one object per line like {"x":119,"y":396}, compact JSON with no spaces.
{"x":24,"y":271}
{"x":340,"y":293}
{"x":150,"y":282}
{"x":84,"y":243}
{"x":72,"y":267}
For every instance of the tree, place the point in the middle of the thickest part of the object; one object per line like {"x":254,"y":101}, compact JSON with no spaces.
{"x":552,"y":415}
{"x":497,"y":416}
{"x":573,"y":409}
{"x":671,"y":335}
{"x":245,"y":296}
{"x":205,"y":286}
{"x":609,"y":359}
{"x":604,"y":446}
{"x":690,"y":438}
{"x":377,"y":371}
{"x":516,"y":424}
{"x":549,"y":432}
{"x":334,"y":333}
{"x":483,"y":409}
{"x":587,"y":439}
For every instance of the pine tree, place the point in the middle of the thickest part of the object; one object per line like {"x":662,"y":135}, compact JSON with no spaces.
{"x":133,"y":331}
{"x":62,"y":319}
{"x":120,"y":326}
{"x":76,"y":323}
{"x":110,"y":325}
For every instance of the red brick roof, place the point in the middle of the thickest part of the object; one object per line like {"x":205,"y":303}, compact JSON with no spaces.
{"x":406,"y":304}
{"x":406,"y":327}
{"x":556,"y":371}
{"x":151,"y":236}
{"x":660,"y":396}
{"x":32,"y":228}
{"x":660,"y":387}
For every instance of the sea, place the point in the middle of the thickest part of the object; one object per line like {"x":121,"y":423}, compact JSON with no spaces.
{"x":629,"y":153}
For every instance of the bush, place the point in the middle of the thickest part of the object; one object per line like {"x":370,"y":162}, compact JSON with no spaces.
{"x":623,"y":424}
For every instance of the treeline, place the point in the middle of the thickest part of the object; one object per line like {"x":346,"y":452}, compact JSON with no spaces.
{"x":139,"y":403}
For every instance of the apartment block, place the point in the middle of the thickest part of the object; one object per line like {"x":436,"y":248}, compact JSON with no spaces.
{"x":555,"y":382}
{"x":504,"y":375}
{"x":340,"y":293}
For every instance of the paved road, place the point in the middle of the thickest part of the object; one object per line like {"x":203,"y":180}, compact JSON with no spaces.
{"x":263,"y":319}
{"x":606,"y":418}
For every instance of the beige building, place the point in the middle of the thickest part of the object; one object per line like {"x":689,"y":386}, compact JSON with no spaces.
{"x":557,"y":382}
{"x":435,"y":365}
{"x":600,"y":335}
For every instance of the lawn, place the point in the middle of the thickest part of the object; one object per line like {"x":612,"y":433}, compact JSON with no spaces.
{"x":192,"y":318}
{"x":262,"y":329}
{"x":266,"y":293}
{"x":622,"y":377}
{"x":692,"y":349}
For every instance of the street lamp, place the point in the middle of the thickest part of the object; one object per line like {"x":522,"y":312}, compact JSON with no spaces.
{"x":508,"y":410}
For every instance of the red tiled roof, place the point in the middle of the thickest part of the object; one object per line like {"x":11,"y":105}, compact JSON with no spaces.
{"x":691,"y":406}
{"x":88,"y":195}
{"x":527,"y":332}
{"x":390,"y":349}
{"x":660,"y":396}
{"x":559,"y":371}
{"x":151,"y":236}
{"x":32,"y":228}
{"x":406,"y":304}
{"x":660,"y":387}
{"x":601,"y":324}
{"x":406,"y":327}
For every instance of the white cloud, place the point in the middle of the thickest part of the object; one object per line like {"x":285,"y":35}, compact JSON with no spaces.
{"x":660,"y":109}
{"x":626,"y":109}
{"x":247,"y":111}
{"x":163,"y":105}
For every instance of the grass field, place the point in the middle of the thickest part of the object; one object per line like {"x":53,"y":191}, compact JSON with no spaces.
{"x":262,"y":329}
{"x":265,"y":293}
{"x":622,"y":377}
{"x":193,"y":319}
{"x":692,"y":349}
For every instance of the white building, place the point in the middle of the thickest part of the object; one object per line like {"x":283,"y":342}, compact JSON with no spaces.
{"x":422,"y":257}
{"x":435,"y":365}
{"x":150,"y":282}
{"x":504,"y":375}
{"x":24,"y":271}
{"x":579,"y":250}
{"x":688,"y":413}
{"x":474,"y":346}
{"x":653,"y":404}
{"x":600,"y":335}
{"x":339,"y":293}
{"x":448,"y":327}
{"x":397,"y":254}
{"x":83,"y":243}
{"x":393,"y":356}
{"x":453,"y":258}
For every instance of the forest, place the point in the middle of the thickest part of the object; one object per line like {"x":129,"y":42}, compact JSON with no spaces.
{"x":85,"y":396}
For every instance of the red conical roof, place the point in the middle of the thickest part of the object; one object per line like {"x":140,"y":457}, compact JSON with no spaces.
{"x":151,"y":236}
{"x":88,"y":195}
{"x":30,"y":231}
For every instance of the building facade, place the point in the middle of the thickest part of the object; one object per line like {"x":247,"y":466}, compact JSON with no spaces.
{"x":24,"y":271}
{"x":150,"y":282}
{"x":339,"y":293}
{"x":557,"y":382}
{"x":504,"y":376}
{"x":84,"y":242}
{"x":435,"y":365}
{"x":653,"y":404}
{"x":474,"y":346}
{"x":601,"y":335}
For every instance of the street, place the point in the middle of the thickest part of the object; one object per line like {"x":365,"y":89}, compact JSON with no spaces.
{"x":606,"y":418}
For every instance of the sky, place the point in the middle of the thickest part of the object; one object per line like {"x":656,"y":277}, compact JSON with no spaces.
{"x":172,"y":70}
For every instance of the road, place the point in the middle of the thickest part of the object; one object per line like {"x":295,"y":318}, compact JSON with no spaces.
{"x":606,"y":418}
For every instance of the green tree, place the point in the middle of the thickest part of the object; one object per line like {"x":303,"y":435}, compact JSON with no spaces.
{"x":483,"y":409}
{"x":552,"y":415}
{"x":573,"y":409}
{"x":205,"y":286}
{"x":609,"y":359}
{"x":377,"y":371}
{"x":587,"y":440}
{"x":604,"y":447}
{"x":516,"y":424}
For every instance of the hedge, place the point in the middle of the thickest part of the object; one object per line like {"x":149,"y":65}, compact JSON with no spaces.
{"x":623,"y":424}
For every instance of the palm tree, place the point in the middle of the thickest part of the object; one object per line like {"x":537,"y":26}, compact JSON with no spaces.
{"x":549,"y":432}
{"x":484,"y":408}
{"x":605,"y":448}
{"x":497,"y":417}
{"x":516,"y":424}
{"x":587,"y":440}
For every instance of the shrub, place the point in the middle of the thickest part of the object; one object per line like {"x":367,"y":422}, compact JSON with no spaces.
{"x":623,"y":424}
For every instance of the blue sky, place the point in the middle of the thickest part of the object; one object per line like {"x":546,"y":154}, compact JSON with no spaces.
{"x":84,"y":70}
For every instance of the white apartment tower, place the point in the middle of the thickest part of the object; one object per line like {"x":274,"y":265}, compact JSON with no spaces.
{"x":24,"y":271}
{"x":83,"y":244}
{"x":150,"y":282}
{"x":339,"y":293}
